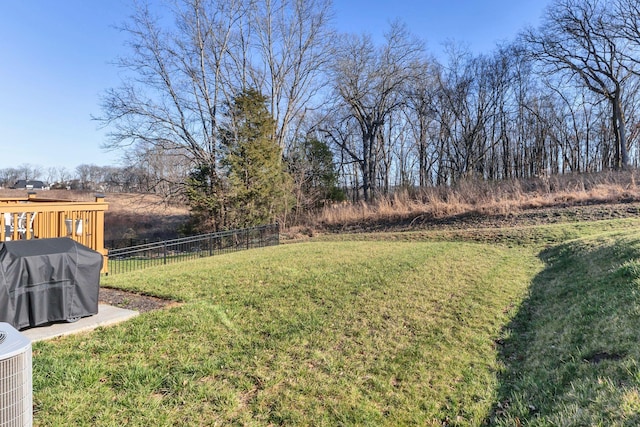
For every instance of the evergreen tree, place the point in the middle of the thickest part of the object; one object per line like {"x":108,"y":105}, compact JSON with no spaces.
{"x":259,"y":189}
{"x":315,"y":174}
{"x":206,"y":196}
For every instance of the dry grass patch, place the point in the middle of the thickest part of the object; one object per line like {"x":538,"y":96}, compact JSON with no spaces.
{"x":142,"y":216}
{"x":487,"y":198}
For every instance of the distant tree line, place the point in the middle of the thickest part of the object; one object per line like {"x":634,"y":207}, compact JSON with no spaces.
{"x":86,"y":177}
{"x":352,"y":115}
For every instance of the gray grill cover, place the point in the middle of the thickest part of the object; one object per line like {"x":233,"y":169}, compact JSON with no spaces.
{"x":47,"y":280}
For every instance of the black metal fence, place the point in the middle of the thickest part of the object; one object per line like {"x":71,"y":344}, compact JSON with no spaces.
{"x":170,"y":251}
{"x":127,"y":243}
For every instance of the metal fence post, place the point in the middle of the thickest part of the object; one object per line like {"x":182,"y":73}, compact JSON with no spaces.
{"x":164,"y":247}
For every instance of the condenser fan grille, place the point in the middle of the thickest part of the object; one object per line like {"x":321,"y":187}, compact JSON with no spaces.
{"x":15,"y":379}
{"x":15,"y":374}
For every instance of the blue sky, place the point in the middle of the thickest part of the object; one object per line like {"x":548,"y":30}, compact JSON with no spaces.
{"x":57,"y":60}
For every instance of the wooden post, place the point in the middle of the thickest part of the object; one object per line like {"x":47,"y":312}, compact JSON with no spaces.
{"x":98,"y":235}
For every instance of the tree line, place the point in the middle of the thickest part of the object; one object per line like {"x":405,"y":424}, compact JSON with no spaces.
{"x":209,"y":95}
{"x":87,"y":177}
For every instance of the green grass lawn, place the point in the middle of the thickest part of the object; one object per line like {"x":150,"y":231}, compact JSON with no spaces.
{"x":520,"y":326}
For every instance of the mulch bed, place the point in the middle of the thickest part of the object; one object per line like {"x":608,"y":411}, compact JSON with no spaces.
{"x":132,"y":301}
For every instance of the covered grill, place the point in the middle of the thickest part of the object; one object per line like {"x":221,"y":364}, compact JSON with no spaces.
{"x":47,"y":280}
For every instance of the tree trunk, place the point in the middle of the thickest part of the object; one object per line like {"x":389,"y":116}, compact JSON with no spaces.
{"x":622,"y":157}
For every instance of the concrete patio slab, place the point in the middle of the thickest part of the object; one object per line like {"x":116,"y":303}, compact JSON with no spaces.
{"x":107,"y":315}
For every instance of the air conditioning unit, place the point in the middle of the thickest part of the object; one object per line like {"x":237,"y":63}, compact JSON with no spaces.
{"x":16,"y":404}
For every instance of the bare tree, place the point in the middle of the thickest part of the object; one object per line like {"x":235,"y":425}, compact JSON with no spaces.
{"x":57,"y":176}
{"x":28,"y":171}
{"x":176,"y":82}
{"x":90,"y":176}
{"x":421,"y":113}
{"x":471,"y":91}
{"x":9,"y":176}
{"x":51,"y":174}
{"x":578,"y":37}
{"x":63,"y":175}
{"x":625,"y":15}
{"x":294,"y":41}
{"x":369,"y":81}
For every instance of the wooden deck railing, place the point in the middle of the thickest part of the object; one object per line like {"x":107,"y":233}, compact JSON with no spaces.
{"x":39,"y":218}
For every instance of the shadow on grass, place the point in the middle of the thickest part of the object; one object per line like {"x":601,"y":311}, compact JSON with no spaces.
{"x":571,"y":353}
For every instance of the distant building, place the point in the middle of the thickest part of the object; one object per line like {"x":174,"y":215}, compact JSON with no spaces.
{"x":23,"y":184}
